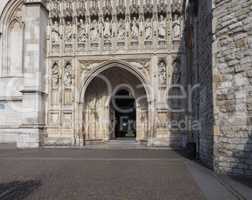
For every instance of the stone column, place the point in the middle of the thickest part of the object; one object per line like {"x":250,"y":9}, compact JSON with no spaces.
{"x":34,"y":74}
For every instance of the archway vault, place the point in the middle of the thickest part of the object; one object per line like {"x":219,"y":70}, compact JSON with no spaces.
{"x":87,"y":79}
{"x":94,"y":107}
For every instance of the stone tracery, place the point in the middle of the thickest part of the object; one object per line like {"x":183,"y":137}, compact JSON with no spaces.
{"x":97,"y":23}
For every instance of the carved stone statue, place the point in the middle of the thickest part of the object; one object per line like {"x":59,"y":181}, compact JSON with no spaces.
{"x":148,"y":29}
{"x":176,"y":27}
{"x":68,"y":76}
{"x":162,"y":72}
{"x":68,"y":32}
{"x":121,"y":29}
{"x":55,"y":32}
{"x":162,"y":28}
{"x":82,"y":29}
{"x":135,"y":29}
{"x":55,"y":75}
{"x":176,"y":71}
{"x":128,"y":26}
{"x":94,"y":31}
{"x":107,"y":29}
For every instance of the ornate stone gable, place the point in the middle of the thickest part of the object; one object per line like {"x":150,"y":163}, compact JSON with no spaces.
{"x":93,"y":25}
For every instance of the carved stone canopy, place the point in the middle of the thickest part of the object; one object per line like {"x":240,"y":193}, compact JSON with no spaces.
{"x":148,"y":7}
{"x":94,"y":10}
{"x":162,"y":7}
{"x":177,"y":7}
{"x":54,"y":9}
{"x":107,"y":10}
{"x":134,"y":8}
{"x":81,"y":9}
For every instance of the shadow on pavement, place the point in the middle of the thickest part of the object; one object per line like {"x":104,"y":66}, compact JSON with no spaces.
{"x":18,"y":190}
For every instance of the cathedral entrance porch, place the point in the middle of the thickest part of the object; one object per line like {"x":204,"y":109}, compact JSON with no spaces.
{"x":115,"y":107}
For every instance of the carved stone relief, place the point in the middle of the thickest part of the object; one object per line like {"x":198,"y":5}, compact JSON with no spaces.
{"x":94,"y":31}
{"x":121,"y":30}
{"x":100,"y":25}
{"x":162,"y":72}
{"x":55,"y":75}
{"x":148,"y":29}
{"x":56,"y":36}
{"x":82,"y":32}
{"x":162,"y":28}
{"x":69,"y":34}
{"x":67,"y":75}
{"x":176,"y":27}
{"x":107,"y":29}
{"x":134,"y":29}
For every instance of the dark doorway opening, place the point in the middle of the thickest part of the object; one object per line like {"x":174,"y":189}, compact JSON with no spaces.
{"x":124,"y":108}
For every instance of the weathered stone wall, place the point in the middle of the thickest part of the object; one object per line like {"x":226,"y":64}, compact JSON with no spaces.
{"x":221,"y":62}
{"x":199,"y":58}
{"x":203,"y":67}
{"x":10,"y":84}
{"x":232,"y":72}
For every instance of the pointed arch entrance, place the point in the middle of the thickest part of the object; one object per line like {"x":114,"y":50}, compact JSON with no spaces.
{"x":114,"y":103}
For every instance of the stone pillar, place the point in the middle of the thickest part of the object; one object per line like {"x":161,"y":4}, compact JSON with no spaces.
{"x":34,"y":74}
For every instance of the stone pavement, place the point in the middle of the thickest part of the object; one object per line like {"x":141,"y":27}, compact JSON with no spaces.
{"x":104,"y":174}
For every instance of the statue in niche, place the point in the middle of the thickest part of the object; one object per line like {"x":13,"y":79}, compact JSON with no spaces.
{"x":177,"y":26}
{"x":148,"y":29}
{"x":176,"y":71}
{"x":162,"y":72}
{"x":121,"y":29}
{"x":82,"y":31}
{"x":55,"y":32}
{"x":94,"y":31}
{"x":135,"y":29}
{"x":162,"y":28}
{"x":107,"y":29}
{"x":141,"y":26}
{"x":68,"y":76}
{"x":55,"y":75}
{"x":127,"y":26}
{"x":68,"y":32}
{"x":114,"y":26}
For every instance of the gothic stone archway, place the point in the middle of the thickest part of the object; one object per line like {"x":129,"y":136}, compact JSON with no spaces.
{"x":97,"y":119}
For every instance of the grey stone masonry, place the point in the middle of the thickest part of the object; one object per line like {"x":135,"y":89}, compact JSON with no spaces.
{"x":232,"y":81}
{"x":34,"y":74}
{"x":219,"y":52}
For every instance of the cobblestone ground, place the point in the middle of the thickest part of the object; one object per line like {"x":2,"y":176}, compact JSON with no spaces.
{"x":70,"y":174}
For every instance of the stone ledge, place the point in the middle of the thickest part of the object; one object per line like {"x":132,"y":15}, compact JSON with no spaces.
{"x":11,"y":98}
